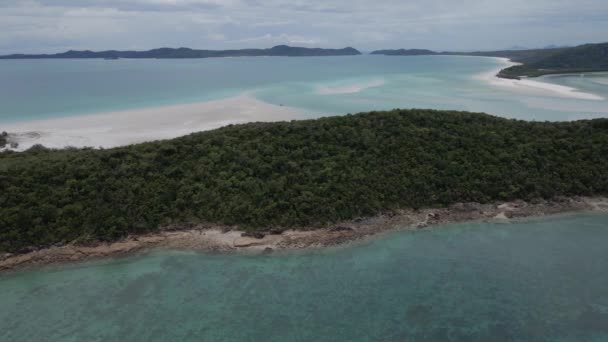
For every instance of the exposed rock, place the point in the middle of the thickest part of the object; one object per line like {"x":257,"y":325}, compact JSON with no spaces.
{"x":275,"y":231}
{"x":421,"y":225}
{"x":246,"y":242}
{"x":224,"y":238}
{"x":255,"y":235}
{"x":340,"y":229}
{"x":433,"y":216}
{"x":179,"y":226}
{"x":469,"y":206}
{"x":537,"y":201}
{"x":26,"y":250}
{"x":458,"y":207}
{"x":519,"y":204}
{"x":501,"y":216}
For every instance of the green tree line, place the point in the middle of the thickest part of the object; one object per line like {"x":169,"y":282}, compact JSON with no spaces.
{"x":295,"y":174}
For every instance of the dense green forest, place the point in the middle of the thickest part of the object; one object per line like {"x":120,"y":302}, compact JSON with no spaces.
{"x":295,"y":174}
{"x":279,"y":50}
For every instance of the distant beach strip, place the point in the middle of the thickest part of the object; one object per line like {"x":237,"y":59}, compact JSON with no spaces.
{"x":533,"y":87}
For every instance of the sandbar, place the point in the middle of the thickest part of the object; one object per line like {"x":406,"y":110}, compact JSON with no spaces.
{"x":127,"y":127}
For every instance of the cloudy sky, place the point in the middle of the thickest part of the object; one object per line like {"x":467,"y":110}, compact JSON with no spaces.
{"x":33,"y":26}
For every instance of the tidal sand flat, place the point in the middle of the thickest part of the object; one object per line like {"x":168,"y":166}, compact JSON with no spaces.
{"x":534,"y":280}
{"x":140,"y":125}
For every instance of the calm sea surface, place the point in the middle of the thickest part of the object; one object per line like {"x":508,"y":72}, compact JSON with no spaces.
{"x":37,"y":89}
{"x":539,"y":280}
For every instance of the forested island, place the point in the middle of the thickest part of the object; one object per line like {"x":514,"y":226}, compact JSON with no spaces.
{"x":298,"y":174}
{"x":580,"y":59}
{"x":279,"y":50}
{"x":534,"y":62}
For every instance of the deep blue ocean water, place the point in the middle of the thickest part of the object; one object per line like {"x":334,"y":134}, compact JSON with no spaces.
{"x":535,"y":280}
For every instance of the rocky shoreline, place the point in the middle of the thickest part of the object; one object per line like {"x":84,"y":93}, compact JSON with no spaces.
{"x":222,"y":238}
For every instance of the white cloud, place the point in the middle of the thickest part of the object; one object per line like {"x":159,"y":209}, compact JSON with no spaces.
{"x":282,"y":38}
{"x":216,"y":36}
{"x":50,"y":25}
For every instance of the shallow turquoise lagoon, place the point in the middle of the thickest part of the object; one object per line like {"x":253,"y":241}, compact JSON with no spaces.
{"x":538,"y":280}
{"x":39,"y":89}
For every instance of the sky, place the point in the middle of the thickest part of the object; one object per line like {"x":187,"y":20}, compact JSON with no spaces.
{"x":49,"y":26}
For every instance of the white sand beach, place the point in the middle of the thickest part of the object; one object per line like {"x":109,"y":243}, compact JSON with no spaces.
{"x":533,"y":87}
{"x":134,"y":126}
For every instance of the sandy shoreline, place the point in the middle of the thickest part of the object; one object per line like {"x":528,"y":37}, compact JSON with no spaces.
{"x":230,"y":239}
{"x":532,"y":87}
{"x":134,"y":126}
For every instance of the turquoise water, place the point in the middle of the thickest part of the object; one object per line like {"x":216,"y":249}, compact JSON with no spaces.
{"x":38,"y":89}
{"x":540,"y":280}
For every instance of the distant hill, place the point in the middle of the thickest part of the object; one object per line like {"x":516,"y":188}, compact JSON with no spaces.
{"x":404,"y":52}
{"x":517,"y":47}
{"x":583,"y":58}
{"x":280,"y":50}
{"x":535,"y":62}
{"x":553,"y":46}
{"x":522,"y":56}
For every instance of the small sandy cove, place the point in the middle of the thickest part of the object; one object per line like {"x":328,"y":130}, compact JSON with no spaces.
{"x":220,"y":238}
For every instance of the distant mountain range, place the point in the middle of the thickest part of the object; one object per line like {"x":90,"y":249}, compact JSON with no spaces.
{"x":280,"y":50}
{"x":404,"y":52}
{"x":535,"y":62}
